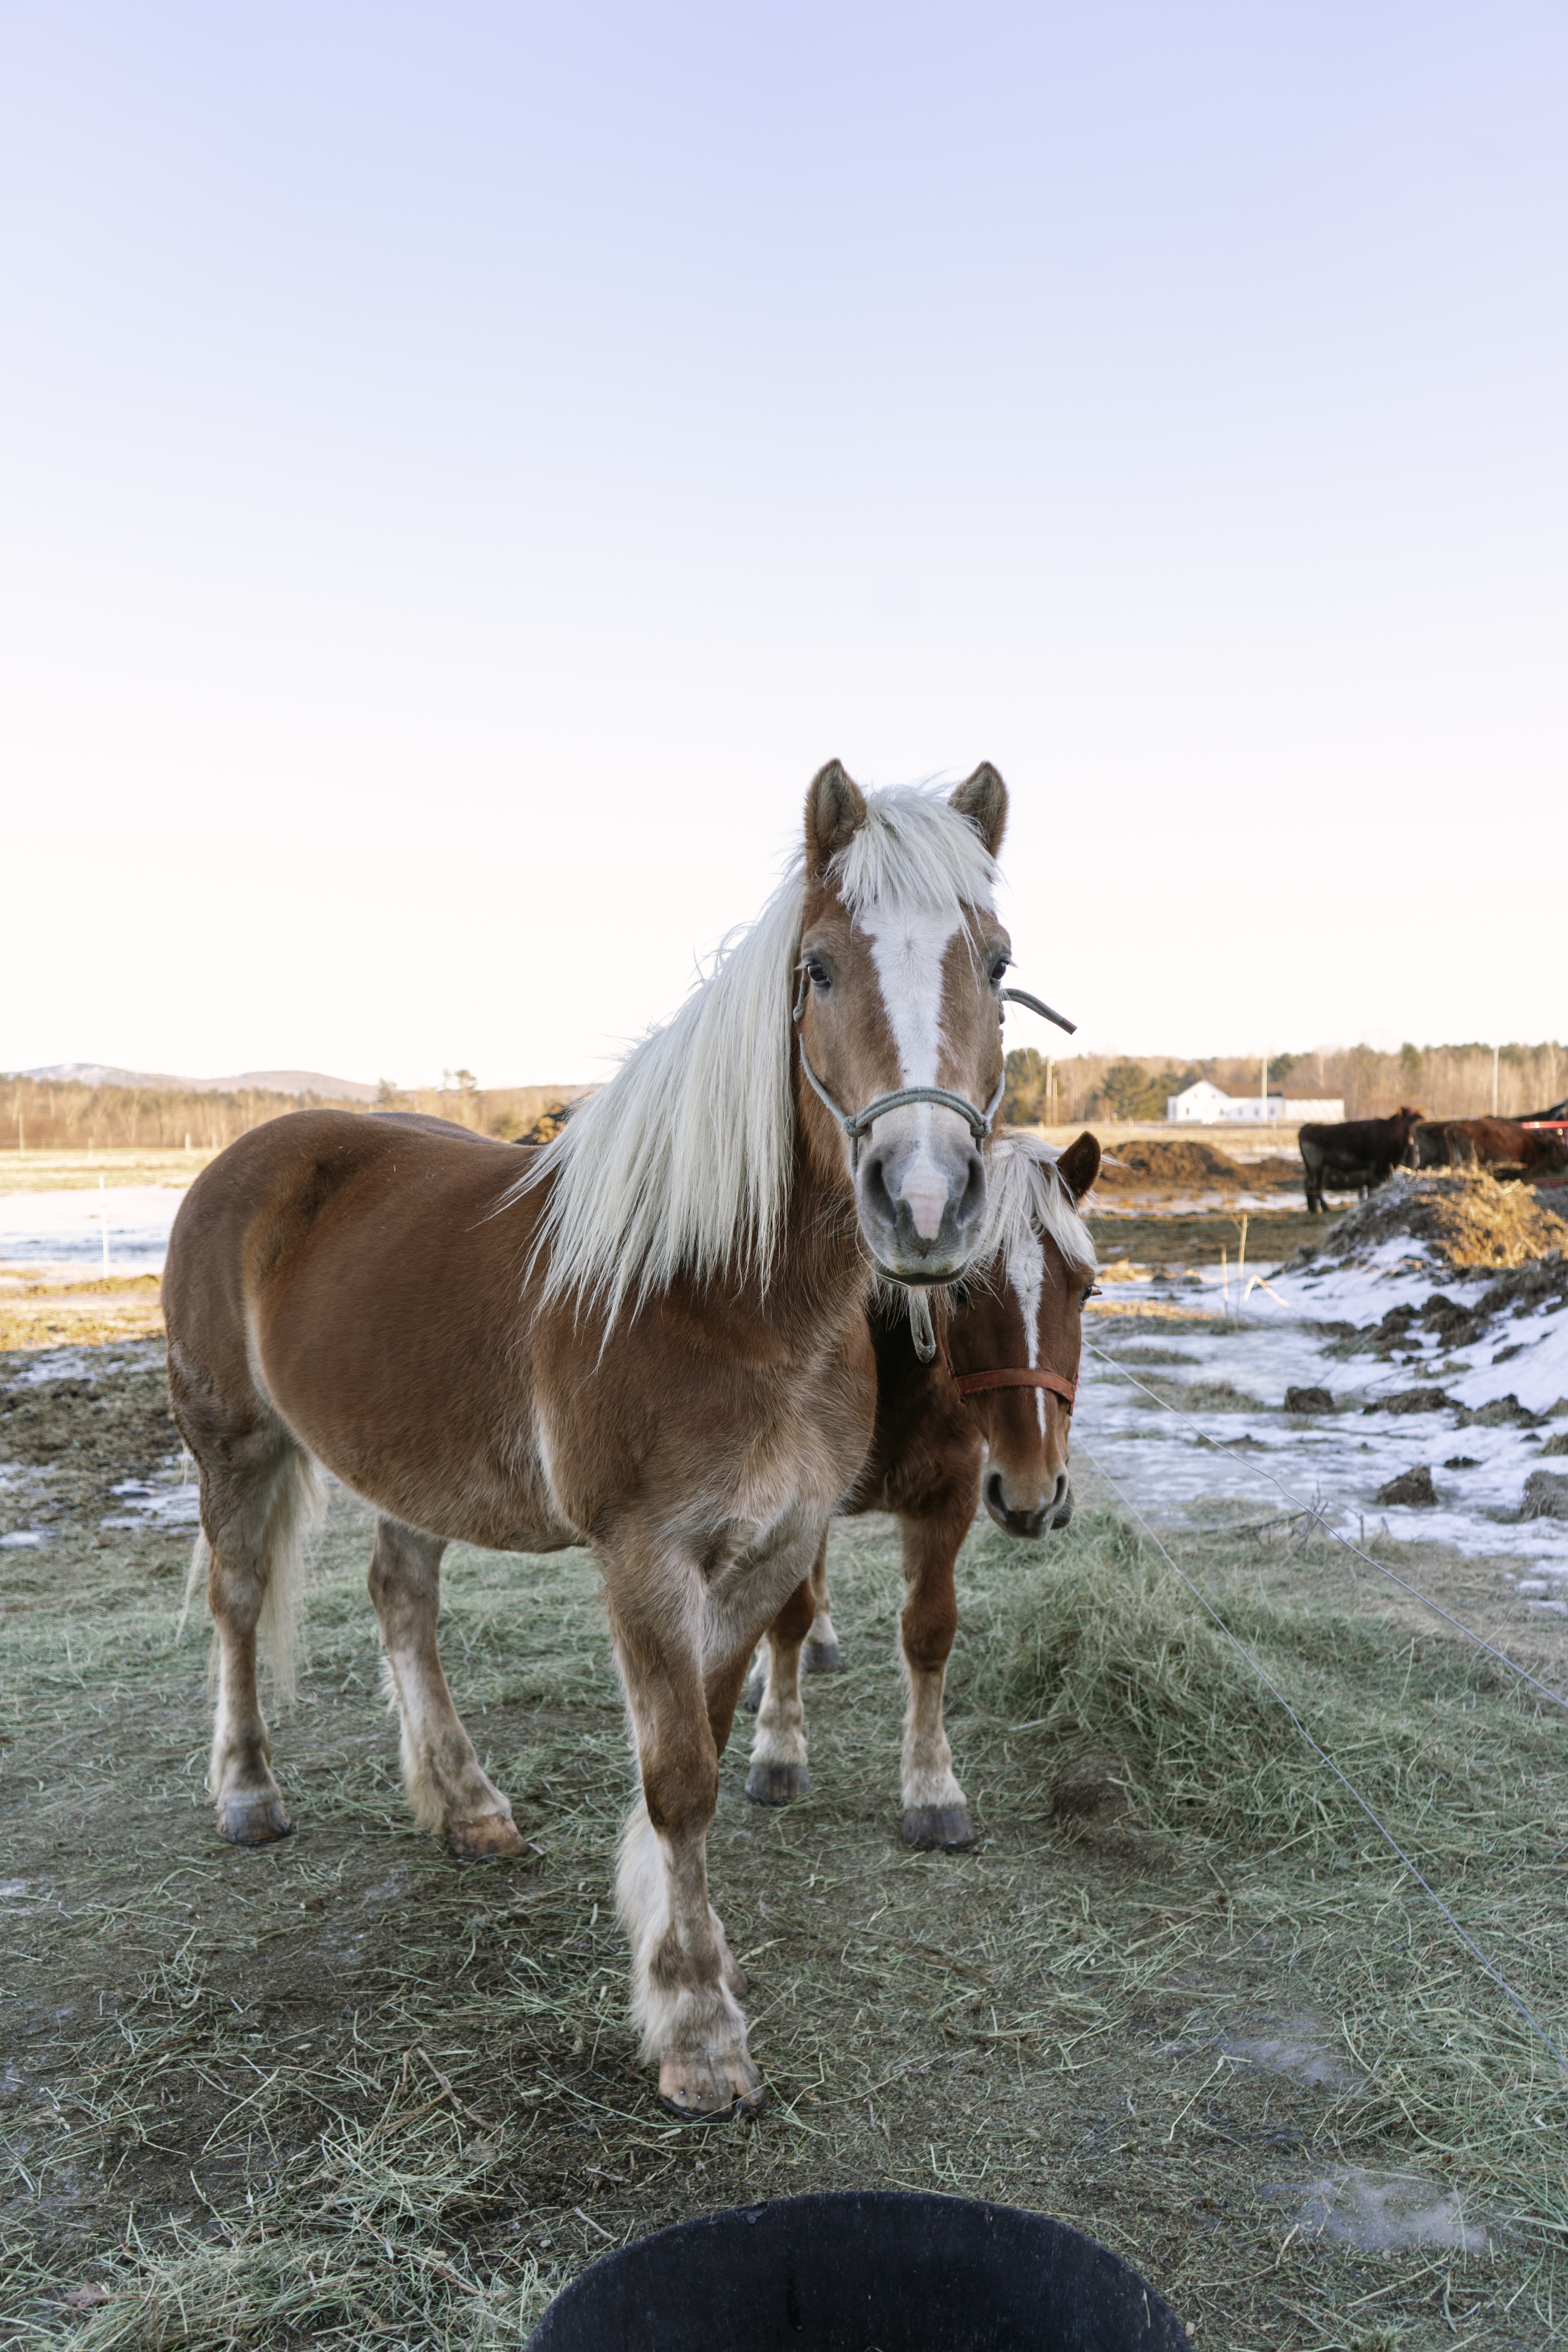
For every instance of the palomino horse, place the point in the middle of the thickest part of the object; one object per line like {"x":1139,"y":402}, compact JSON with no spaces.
{"x":986,"y":1417}
{"x":653,"y":1342}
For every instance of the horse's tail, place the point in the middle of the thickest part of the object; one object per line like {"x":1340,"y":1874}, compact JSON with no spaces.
{"x":294,"y":1511}
{"x":201,"y":1561}
{"x":299,"y":1503}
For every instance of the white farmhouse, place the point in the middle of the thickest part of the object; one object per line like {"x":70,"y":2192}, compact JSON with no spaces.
{"x":1204,"y":1104}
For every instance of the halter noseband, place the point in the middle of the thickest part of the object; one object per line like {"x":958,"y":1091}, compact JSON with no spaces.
{"x":970,"y":1384}
{"x":858,"y":1123}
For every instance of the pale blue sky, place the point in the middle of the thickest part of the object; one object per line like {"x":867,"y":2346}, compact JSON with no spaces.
{"x":462,"y":469}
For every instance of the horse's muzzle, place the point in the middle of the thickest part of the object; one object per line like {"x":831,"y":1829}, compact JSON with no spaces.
{"x":921,"y":1209}
{"x":1052,"y":1510}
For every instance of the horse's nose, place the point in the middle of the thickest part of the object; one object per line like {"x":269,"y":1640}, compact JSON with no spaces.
{"x":1054,"y":1511}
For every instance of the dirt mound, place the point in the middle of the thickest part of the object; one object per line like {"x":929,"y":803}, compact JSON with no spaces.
{"x":1274,"y":1170}
{"x":1467,"y":1220}
{"x":101,"y":1428}
{"x":1158,"y":1163}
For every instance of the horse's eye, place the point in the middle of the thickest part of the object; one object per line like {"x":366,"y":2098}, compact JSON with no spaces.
{"x":1092,"y":1292}
{"x":817,"y":974}
{"x":997,"y":969}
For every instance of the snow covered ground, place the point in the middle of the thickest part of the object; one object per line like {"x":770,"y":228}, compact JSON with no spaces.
{"x":1336,"y":1460}
{"x":1166,"y":1461}
{"x":66,"y":1228}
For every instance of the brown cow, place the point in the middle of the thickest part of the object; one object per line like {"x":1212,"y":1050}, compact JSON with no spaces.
{"x":1354,"y":1154}
{"x":1489,"y":1143}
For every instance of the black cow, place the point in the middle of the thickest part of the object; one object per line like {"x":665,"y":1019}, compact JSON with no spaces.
{"x":1354,"y":1155}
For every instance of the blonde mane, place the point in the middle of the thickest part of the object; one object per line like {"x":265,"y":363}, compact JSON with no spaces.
{"x":682,"y":1163}
{"x":1025,"y":1195}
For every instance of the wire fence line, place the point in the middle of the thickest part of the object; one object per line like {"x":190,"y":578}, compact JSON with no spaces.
{"x":1463,"y":1934}
{"x":1312,"y":1511}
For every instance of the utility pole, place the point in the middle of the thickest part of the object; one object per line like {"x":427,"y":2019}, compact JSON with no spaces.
{"x":1494,"y":1081}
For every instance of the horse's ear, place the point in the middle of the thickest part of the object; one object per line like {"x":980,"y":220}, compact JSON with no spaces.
{"x":983,"y":798}
{"x":1079,"y":1164}
{"x":835,"y":812}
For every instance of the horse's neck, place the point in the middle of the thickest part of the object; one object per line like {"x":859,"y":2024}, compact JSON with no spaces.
{"x":822,"y":1275}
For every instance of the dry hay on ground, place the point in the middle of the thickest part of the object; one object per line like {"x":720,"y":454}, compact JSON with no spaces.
{"x":1471,"y":1221}
{"x":52,"y":1310}
{"x":1178,"y":1993}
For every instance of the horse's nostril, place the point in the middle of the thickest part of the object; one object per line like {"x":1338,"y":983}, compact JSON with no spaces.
{"x":994,"y":1497}
{"x":876,"y":1183}
{"x":1060,"y":1496}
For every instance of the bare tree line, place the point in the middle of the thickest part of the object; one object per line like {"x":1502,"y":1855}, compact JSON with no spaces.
{"x":57,"y":1115}
{"x":1445,"y":1081}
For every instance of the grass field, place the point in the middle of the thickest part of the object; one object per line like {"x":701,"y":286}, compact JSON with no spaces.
{"x":70,"y":1170}
{"x":346,"y":2091}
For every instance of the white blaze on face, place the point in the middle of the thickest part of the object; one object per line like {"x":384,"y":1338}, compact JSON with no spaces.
{"x":1026,"y":1273}
{"x":908,"y":946}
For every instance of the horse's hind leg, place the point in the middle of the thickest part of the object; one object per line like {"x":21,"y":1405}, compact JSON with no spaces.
{"x":447,"y":1788}
{"x":256,"y":1518}
{"x":936,"y":1810}
{"x":778,"y":1769}
{"x":822,"y":1654}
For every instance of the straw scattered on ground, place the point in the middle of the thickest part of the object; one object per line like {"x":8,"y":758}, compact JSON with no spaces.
{"x":346,"y":2091}
{"x":1469,"y":1221}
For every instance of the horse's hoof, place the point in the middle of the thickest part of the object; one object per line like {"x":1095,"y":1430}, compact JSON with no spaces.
{"x":823,"y":1658}
{"x":699,"y":2090}
{"x":252,"y":1820}
{"x":944,"y":1829}
{"x":751,"y":1696}
{"x":775,"y":1784}
{"x":487,"y":1835}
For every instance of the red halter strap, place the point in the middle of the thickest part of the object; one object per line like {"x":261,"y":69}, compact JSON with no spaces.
{"x":975,"y":1384}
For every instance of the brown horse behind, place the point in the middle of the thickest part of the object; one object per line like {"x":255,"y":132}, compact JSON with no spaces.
{"x":652,"y":1342}
{"x":987,"y":1418}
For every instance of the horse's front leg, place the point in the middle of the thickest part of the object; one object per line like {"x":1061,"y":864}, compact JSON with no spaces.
{"x":447,"y":1788}
{"x":936,"y":1811}
{"x":682,"y":1643}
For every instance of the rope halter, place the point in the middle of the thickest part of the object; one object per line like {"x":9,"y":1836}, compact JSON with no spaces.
{"x":857,"y":1124}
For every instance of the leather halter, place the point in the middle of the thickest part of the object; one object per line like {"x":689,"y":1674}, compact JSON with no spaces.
{"x":970,"y":1384}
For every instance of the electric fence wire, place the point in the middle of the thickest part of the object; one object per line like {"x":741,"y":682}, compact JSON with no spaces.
{"x":1311,"y":1511}
{"x":1323,"y":1757}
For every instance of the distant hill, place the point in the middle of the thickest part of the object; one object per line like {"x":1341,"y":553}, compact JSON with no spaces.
{"x":272,"y":1081}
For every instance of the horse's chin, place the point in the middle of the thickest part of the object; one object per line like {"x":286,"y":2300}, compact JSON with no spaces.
{"x":924,"y":1276}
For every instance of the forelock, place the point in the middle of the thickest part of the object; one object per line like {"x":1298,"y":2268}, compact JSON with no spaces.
{"x":914,"y":849}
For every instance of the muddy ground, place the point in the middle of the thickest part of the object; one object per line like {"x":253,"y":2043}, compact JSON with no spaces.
{"x":346,"y":2090}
